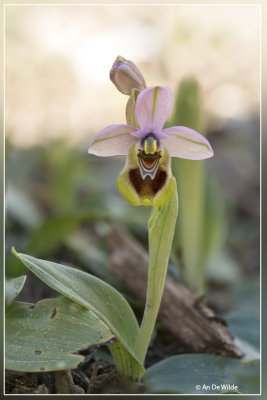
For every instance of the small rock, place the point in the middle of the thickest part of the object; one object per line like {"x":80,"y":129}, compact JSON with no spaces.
{"x":79,"y":389}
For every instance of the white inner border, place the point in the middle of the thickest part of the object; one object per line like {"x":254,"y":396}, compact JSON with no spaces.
{"x":258,"y":5}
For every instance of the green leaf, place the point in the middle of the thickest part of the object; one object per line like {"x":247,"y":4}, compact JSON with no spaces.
{"x":65,"y":166}
{"x":244,"y":320}
{"x":188,"y":109}
{"x":245,"y":326}
{"x":49,"y":335}
{"x":21,"y":207}
{"x":215,"y":221}
{"x":94,"y":294}
{"x":56,"y":230}
{"x":13,"y":287}
{"x":190,"y":176}
{"x":189,"y":235}
{"x":183,"y":373}
{"x":200,"y":226}
{"x":223,"y":268}
{"x":93,"y":257}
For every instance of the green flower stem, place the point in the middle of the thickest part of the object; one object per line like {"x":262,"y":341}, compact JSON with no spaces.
{"x":161,"y":229}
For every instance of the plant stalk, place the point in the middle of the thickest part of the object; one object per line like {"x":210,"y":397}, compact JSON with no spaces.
{"x":161,"y":230}
{"x":129,"y":370}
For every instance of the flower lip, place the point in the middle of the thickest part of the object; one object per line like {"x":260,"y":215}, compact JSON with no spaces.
{"x":148,"y":164}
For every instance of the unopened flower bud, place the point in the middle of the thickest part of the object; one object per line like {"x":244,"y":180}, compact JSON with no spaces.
{"x":126,"y":76}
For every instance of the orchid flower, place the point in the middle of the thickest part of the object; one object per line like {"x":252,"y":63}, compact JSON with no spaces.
{"x":146,"y":178}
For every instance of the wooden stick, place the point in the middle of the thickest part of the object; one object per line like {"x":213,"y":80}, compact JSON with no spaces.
{"x":192,"y":322}
{"x":64,"y":383}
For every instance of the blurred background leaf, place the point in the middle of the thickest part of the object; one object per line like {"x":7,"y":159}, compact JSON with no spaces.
{"x":201,"y":223}
{"x":193,"y":373}
{"x":13,"y":287}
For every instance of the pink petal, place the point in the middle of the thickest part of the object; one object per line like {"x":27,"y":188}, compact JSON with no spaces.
{"x":186,"y":143}
{"x":152,"y":108}
{"x":114,"y":140}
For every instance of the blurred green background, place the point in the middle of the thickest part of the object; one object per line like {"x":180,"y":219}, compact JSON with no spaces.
{"x":60,"y":200}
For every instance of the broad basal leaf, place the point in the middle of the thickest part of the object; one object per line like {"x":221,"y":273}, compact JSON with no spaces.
{"x":49,"y":335}
{"x":202,"y":374}
{"x":94,"y":294}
